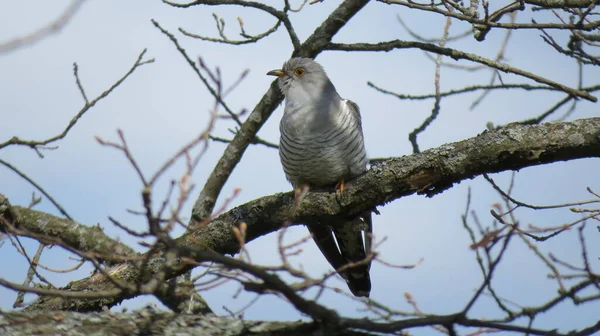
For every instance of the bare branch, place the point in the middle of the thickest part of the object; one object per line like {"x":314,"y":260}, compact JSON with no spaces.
{"x":489,"y":22}
{"x":457,"y":55}
{"x":54,"y":27}
{"x":412,"y":136}
{"x":38,"y":187}
{"x":467,"y":89}
{"x":36,"y":143}
{"x":280,"y":15}
{"x":208,"y":86}
{"x":249,"y":38}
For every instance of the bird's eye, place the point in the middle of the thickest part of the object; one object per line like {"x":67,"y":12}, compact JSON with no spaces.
{"x":299,"y":72}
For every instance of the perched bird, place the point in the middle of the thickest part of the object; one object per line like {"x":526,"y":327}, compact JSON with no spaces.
{"x":322,"y":145}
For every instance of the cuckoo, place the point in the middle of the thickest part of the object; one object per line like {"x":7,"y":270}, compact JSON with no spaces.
{"x":322,"y":145}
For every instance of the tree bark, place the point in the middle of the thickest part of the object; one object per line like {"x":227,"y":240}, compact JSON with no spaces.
{"x":150,"y":322}
{"x":513,"y":147}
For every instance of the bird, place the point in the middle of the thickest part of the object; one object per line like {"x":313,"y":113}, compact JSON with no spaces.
{"x":322,"y":145}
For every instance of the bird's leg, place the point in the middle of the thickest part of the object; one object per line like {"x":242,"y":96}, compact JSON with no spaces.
{"x":299,"y":194}
{"x":300,"y":191}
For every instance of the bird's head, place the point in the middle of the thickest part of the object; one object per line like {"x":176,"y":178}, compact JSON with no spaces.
{"x":302,"y":77}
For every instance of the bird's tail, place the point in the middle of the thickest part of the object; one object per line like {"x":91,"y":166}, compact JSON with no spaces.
{"x":351,"y":256}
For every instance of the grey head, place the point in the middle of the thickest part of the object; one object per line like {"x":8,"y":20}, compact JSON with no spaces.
{"x":303,"y":80}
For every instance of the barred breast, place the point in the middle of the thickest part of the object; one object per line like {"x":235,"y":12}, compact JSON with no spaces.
{"x":322,"y":154}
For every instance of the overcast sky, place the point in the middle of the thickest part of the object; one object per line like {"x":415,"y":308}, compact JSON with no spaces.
{"x":163,"y":105}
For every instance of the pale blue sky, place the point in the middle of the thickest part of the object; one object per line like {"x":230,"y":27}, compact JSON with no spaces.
{"x":163,"y":104}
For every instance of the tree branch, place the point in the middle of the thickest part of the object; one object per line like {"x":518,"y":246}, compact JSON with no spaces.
{"x":160,"y":323}
{"x":53,"y":27}
{"x":457,"y":55}
{"x":75,"y":235}
{"x":88,"y":105}
{"x":513,"y":147}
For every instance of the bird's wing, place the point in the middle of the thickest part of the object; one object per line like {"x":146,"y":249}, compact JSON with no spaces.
{"x":355,"y":110}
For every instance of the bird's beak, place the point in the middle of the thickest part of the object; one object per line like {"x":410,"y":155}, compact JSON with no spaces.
{"x":278,"y":73}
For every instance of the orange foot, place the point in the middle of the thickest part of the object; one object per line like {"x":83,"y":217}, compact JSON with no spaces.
{"x":340,"y":186}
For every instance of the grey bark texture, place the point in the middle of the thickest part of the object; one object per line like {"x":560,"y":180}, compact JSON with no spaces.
{"x":149,"y":322}
{"x":512,"y":147}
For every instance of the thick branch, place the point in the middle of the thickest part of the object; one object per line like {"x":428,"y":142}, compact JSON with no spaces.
{"x":75,"y":235}
{"x":560,"y":3}
{"x":151,"y":322}
{"x":430,"y":172}
{"x":142,"y":322}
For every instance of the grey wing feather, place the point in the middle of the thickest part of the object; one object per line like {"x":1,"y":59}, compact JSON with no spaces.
{"x":355,"y":112}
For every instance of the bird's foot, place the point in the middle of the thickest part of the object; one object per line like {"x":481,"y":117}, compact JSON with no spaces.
{"x":340,"y":186}
{"x":339,"y":190}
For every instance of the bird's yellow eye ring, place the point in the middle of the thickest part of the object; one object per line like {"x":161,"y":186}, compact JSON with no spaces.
{"x":299,"y":72}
